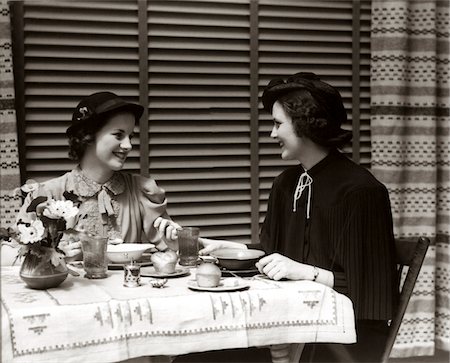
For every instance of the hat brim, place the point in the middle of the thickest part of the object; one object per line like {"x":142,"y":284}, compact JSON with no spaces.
{"x":135,"y":109}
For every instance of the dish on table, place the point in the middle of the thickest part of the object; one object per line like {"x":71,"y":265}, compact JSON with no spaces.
{"x":228,"y":284}
{"x":151,"y":272}
{"x":125,"y":252}
{"x":143,"y":261}
{"x":237,"y":258}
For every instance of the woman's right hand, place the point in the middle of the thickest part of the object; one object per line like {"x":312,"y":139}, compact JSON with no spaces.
{"x":70,"y":248}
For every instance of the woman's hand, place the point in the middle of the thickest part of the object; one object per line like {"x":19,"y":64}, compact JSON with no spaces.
{"x":210,"y":245}
{"x":167,"y":228}
{"x":277,"y":267}
{"x":70,"y":248}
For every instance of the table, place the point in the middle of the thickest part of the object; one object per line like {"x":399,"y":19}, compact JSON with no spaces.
{"x":102,"y":321}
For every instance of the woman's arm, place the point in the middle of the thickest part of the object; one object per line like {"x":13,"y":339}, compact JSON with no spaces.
{"x":277,"y":267}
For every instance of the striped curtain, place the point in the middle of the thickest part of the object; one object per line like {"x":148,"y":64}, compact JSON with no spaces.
{"x":9,"y":155}
{"x":410,"y":151}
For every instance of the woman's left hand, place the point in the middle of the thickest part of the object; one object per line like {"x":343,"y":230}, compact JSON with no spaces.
{"x":167,"y":228}
{"x":277,"y":267}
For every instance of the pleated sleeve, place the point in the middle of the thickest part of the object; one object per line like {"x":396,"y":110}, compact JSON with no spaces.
{"x":367,"y":253}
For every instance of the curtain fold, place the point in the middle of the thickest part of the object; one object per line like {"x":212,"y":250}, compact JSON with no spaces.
{"x":410,"y":151}
{"x":9,"y":155}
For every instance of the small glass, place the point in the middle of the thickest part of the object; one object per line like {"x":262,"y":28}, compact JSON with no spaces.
{"x":188,"y":245}
{"x":95,"y":260}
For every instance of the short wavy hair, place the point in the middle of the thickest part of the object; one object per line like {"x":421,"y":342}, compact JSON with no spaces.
{"x":311,"y":118}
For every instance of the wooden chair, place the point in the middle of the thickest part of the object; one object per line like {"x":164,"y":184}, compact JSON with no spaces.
{"x":409,"y":253}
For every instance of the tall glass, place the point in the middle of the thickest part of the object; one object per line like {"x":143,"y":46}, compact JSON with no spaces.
{"x":95,"y":260}
{"x":188,"y":245}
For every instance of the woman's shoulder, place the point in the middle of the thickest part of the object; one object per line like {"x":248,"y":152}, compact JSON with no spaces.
{"x":146,"y":185}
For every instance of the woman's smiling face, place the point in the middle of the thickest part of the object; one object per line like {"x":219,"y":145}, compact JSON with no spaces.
{"x":283,"y":131}
{"x":112,"y":142}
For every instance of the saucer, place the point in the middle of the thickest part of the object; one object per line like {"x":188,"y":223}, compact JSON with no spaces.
{"x":151,"y":272}
{"x":119,"y":266}
{"x":224,"y":286}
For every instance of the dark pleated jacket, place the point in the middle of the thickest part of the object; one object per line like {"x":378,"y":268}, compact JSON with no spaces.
{"x":349,"y":231}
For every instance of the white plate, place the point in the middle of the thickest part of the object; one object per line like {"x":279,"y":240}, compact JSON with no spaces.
{"x":119,"y":266}
{"x":151,"y":272}
{"x":223,"y":287}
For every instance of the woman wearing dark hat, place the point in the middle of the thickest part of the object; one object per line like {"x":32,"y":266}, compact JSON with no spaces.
{"x":116,"y":204}
{"x":328,"y":219}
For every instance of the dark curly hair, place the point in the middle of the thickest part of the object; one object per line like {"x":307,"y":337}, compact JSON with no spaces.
{"x":81,"y":137}
{"x":311,"y":118}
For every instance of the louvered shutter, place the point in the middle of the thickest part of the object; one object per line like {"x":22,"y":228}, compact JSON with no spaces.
{"x":364,"y":100}
{"x":197,"y":60}
{"x":72,"y":49}
{"x":199,"y":112}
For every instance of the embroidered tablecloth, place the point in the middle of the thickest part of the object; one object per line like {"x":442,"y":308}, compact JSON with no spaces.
{"x":103,"y":321}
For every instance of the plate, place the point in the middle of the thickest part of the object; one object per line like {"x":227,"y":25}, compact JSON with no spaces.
{"x":151,"y":272}
{"x":145,"y":260}
{"x":119,"y":266}
{"x":238,"y":284}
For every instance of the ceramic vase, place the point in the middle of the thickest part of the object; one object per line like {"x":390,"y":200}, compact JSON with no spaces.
{"x":39,"y":273}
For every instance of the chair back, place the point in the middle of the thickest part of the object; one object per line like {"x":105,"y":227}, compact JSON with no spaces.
{"x":410,"y":253}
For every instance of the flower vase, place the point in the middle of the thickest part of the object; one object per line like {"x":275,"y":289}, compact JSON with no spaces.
{"x":39,"y":273}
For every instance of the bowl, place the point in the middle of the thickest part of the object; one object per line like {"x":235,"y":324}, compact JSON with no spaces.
{"x":236,"y":258}
{"x":125,"y":252}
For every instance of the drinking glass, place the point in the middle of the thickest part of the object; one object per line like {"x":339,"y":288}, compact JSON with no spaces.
{"x":188,"y":245}
{"x":95,"y":260}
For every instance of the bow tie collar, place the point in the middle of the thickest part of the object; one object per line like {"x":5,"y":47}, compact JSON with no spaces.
{"x":85,"y":187}
{"x":304,"y":181}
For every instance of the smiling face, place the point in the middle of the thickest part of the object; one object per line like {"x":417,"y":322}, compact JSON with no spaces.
{"x":283,"y":131}
{"x":112,"y":144}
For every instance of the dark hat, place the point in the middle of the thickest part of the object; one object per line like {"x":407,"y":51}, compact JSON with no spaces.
{"x":92,"y":110}
{"x":328,"y":98}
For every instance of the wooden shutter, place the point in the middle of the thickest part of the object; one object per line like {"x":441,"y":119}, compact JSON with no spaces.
{"x":72,"y":49}
{"x":365,"y":25}
{"x":196,"y":59}
{"x":199,"y":123}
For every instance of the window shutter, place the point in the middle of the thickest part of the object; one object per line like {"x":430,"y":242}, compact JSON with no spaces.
{"x":365,"y":144}
{"x":197,"y":57}
{"x":199,"y":109}
{"x":72,"y":49}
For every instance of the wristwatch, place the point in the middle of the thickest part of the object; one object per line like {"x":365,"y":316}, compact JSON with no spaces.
{"x":316,"y":273}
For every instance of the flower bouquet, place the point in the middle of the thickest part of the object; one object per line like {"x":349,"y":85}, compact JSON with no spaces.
{"x":40,"y":235}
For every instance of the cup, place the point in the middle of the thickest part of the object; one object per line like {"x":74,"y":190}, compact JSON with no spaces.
{"x":188,"y":245}
{"x":95,"y":260}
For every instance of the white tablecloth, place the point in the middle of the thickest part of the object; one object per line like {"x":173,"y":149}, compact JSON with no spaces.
{"x":102,"y":321}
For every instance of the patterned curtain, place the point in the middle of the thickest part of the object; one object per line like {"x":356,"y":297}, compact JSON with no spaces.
{"x":410,"y":151}
{"x":9,"y":154}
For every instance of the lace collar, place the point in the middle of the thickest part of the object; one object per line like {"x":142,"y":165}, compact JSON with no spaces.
{"x":85,"y":187}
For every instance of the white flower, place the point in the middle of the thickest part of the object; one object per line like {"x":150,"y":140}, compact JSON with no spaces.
{"x":57,"y":209}
{"x":32,"y":233}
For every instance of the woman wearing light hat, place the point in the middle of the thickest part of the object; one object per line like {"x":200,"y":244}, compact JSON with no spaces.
{"x":328,"y":219}
{"x":116,"y":204}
